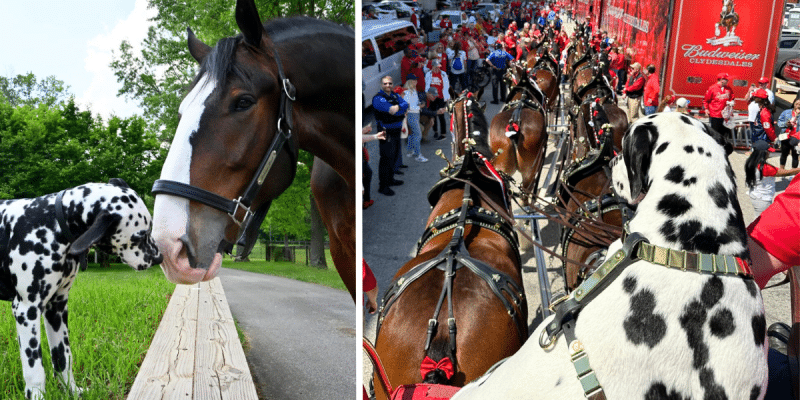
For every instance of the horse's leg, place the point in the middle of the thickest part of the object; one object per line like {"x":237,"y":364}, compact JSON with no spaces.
{"x":337,"y":204}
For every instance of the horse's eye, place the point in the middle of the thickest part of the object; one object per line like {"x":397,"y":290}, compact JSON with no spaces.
{"x":243,"y":103}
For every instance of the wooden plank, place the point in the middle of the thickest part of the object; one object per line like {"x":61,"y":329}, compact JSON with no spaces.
{"x":168,"y":368}
{"x":220,"y":367}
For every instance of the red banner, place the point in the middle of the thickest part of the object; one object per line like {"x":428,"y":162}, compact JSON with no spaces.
{"x":738,"y":37}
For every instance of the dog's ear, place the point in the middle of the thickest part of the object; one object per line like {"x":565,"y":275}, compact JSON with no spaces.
{"x":119,"y":182}
{"x":103,"y":223}
{"x":719,"y":139}
{"x":637,"y":152}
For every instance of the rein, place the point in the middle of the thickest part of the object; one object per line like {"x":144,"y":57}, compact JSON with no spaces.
{"x":282,"y":140}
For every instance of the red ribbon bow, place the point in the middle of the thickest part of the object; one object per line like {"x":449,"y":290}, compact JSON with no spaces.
{"x":470,"y":116}
{"x":445,"y":365}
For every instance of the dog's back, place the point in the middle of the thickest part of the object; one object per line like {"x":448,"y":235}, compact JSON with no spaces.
{"x":657,"y":332}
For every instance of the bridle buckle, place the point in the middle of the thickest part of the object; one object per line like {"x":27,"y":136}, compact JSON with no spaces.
{"x":247,"y":213}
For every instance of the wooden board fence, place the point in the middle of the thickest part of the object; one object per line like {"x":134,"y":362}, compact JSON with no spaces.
{"x":196,"y":352}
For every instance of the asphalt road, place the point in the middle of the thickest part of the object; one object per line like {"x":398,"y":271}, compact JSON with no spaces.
{"x":301,"y":335}
{"x":392,"y":226}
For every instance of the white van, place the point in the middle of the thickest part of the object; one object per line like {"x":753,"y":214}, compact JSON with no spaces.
{"x":382,"y":44}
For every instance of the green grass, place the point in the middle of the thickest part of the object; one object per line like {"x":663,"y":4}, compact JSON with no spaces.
{"x":297,"y":271}
{"x":113,"y":316}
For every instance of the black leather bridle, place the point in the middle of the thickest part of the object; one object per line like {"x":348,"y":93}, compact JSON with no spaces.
{"x":282,"y":140}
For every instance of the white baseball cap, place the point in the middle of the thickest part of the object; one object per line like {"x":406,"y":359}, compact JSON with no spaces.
{"x":682,"y":102}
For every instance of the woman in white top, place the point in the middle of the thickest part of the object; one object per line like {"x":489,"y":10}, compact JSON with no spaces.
{"x":458,"y":65}
{"x":412,"y":118}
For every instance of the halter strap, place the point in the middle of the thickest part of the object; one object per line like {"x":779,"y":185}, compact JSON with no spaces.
{"x":62,"y":224}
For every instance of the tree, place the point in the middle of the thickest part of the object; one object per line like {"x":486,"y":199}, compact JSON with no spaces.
{"x":26,"y":90}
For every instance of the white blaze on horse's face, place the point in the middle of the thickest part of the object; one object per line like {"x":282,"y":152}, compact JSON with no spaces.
{"x":171,"y":213}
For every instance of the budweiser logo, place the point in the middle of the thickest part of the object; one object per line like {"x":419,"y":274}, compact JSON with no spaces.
{"x":696,"y":50}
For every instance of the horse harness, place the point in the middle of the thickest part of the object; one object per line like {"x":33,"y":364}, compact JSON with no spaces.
{"x":635,"y":248}
{"x":455,"y":256}
{"x":281,"y":141}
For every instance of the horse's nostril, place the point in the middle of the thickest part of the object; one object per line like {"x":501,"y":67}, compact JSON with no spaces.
{"x":189,"y":251}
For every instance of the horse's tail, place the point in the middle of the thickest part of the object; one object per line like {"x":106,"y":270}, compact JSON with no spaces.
{"x":438,"y":367}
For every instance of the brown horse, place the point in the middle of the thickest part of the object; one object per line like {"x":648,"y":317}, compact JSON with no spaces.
{"x":520,"y":130}
{"x":585,"y":185}
{"x":462,"y":113}
{"x":458,"y":306}
{"x":254,"y":102}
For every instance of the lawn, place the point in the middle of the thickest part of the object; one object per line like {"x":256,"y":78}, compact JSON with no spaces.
{"x":297,"y":271}
{"x":113,"y":315}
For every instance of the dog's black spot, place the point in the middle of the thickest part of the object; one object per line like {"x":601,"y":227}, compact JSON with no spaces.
{"x":668,"y":231}
{"x":662,"y":147}
{"x":713,"y":390}
{"x":688,"y":148}
{"x":675,"y":174}
{"x":759,"y":324}
{"x":729,"y":172}
{"x":690,"y":181}
{"x":700,"y":150}
{"x":59,"y":356}
{"x":658,"y":391}
{"x":32,"y":313}
{"x":643,"y":326}
{"x":719,"y":194}
{"x":629,"y":284}
{"x":751,"y":287}
{"x":755,"y":392}
{"x":673,"y":205}
{"x":692,"y":321}
{"x":712,"y":291}
{"x":721,"y":323}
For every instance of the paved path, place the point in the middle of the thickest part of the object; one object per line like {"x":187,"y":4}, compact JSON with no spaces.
{"x":302,"y":335}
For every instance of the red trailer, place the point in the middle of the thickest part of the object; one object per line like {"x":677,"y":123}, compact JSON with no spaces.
{"x":691,"y":41}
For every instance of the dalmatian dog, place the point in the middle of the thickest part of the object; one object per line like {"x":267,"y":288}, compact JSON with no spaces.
{"x":656,"y":332}
{"x":40,"y":258}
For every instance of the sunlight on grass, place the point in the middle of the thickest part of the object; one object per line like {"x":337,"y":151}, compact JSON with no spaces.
{"x":113,"y":315}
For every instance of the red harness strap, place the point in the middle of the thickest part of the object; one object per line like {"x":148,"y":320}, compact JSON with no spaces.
{"x":424,"y":391}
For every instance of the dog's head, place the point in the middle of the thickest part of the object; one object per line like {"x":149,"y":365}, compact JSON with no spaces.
{"x":121,"y":225}
{"x":631,"y":169}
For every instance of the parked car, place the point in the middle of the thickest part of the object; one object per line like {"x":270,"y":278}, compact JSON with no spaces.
{"x":372,"y":11}
{"x":488,"y":10}
{"x":791,"y":71}
{"x":403,"y":11}
{"x":382,"y":44}
{"x":443,"y":4}
{"x":788,"y":48}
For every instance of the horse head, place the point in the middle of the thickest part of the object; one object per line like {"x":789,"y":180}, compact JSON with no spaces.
{"x":236,"y":145}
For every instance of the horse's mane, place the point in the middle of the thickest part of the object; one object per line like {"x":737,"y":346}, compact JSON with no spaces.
{"x":219,"y":64}
{"x":480,"y":124}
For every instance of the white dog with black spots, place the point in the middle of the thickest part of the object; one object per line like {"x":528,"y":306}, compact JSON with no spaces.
{"x":657,"y":332}
{"x":39,"y":262}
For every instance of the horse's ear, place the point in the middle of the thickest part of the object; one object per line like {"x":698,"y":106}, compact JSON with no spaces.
{"x":248,"y":22}
{"x":197,"y":48}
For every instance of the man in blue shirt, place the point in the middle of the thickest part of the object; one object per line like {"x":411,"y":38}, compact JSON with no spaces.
{"x":498,"y":61}
{"x":390,"y":110}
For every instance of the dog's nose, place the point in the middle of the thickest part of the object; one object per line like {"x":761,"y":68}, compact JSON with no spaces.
{"x":159,"y":259}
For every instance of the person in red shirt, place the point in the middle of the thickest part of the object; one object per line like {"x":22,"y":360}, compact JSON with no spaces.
{"x":760,"y":176}
{"x":510,"y":42}
{"x":714,"y":102}
{"x":445,"y":22}
{"x":651,"y":88}
{"x":412,"y":64}
{"x":634,"y":90}
{"x":762,"y":128}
